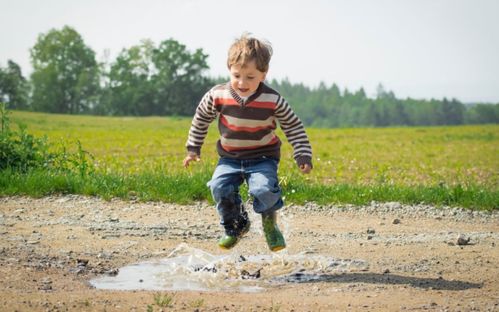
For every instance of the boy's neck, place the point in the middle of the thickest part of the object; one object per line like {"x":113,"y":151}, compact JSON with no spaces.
{"x":244,"y":99}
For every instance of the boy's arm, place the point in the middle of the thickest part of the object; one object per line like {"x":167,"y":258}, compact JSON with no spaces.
{"x":293,"y":128}
{"x":205,"y":114}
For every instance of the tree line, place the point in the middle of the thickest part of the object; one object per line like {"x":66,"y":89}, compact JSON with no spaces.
{"x":330,"y":107}
{"x":169,"y":79}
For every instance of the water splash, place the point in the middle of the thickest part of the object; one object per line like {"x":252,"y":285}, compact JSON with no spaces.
{"x":188,"y":268}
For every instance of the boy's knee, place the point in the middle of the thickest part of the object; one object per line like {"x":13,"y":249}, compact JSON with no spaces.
{"x":261,"y":185}
{"x":264,"y":190}
{"x":266,"y":198}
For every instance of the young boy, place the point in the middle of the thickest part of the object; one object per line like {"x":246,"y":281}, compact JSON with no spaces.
{"x":247,"y":111}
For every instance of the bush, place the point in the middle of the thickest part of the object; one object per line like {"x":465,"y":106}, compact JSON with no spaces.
{"x":21,"y":151}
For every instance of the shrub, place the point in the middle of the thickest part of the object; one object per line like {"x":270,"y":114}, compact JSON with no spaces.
{"x":21,"y":151}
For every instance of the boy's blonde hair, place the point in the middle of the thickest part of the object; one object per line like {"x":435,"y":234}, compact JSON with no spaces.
{"x":246,"y":49}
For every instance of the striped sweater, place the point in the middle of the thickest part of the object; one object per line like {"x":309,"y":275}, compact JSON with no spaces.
{"x":247,"y":127}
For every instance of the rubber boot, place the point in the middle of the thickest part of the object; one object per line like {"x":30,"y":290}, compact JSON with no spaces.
{"x":273,"y":235}
{"x":235,"y":232}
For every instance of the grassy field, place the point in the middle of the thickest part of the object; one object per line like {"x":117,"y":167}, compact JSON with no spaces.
{"x":441,"y":165}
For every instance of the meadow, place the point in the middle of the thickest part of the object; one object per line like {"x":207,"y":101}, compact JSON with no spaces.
{"x":142,"y":158}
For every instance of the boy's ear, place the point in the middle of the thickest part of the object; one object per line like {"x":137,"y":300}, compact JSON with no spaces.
{"x":264,"y":75}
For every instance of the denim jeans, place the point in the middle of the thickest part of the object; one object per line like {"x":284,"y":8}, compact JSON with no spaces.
{"x":261,"y":176}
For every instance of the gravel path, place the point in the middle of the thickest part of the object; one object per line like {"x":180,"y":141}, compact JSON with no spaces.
{"x":418,"y":257}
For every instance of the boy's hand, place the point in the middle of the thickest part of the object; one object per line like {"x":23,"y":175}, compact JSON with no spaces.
{"x":190,"y":157}
{"x":305,"y":168}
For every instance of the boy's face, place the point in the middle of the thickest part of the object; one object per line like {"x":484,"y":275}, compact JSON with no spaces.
{"x":245,"y":79}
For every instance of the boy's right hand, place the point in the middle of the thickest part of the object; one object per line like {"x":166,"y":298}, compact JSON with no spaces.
{"x":190,"y":157}
{"x":305,"y":168}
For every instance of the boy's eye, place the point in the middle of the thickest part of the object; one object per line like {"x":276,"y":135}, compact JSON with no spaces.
{"x":236,"y":76}
{"x":251,"y":78}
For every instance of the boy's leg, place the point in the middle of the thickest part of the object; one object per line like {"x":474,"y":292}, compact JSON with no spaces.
{"x":263,"y":185}
{"x":224,"y":187}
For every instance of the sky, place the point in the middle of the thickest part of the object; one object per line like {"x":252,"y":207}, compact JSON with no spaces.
{"x":416,"y":48}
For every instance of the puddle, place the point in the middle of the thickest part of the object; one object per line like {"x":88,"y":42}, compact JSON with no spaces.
{"x":188,"y":268}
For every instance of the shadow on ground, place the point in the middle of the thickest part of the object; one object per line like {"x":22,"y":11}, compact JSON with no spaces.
{"x":375,"y":278}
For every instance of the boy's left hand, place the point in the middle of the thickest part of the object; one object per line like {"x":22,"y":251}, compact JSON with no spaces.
{"x":305,"y":168}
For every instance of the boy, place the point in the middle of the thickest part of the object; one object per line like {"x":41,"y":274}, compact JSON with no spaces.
{"x":247,"y":111}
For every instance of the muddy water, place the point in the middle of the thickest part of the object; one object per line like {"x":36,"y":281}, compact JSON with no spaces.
{"x":188,"y":268}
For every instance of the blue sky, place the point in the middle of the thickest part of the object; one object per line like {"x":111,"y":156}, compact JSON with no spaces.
{"x":416,"y":48}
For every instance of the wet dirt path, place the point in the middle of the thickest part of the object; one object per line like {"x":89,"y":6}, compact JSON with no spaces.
{"x":419,"y":258}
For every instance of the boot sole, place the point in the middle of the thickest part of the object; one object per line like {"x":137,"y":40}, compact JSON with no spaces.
{"x":238,"y":239}
{"x":277,"y":248}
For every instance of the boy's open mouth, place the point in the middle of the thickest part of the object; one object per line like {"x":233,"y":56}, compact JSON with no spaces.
{"x":243,"y":90}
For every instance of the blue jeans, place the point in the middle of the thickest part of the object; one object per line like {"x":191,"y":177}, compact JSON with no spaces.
{"x":261,"y":176}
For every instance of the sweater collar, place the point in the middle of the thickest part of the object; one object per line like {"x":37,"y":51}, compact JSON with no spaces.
{"x":240,"y":100}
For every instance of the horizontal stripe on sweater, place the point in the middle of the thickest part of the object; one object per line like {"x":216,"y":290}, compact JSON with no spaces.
{"x":238,"y":124}
{"x":244,"y":112}
{"x":242,"y":135}
{"x":252,"y":104}
{"x":232,"y":145}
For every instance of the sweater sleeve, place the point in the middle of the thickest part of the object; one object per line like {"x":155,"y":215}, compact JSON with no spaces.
{"x":205,"y":114}
{"x":293,"y":128}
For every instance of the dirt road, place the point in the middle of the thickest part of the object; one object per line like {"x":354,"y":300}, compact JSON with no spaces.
{"x":417,"y":258}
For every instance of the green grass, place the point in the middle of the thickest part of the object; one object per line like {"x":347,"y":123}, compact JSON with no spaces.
{"x":185,"y":188}
{"x":147,"y":186}
{"x":164,"y":300}
{"x":142,"y":158}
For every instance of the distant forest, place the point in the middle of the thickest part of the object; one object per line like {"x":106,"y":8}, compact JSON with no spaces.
{"x":169,"y":80}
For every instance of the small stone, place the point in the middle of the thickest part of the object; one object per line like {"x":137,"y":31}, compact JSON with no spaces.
{"x":247,"y":275}
{"x":81,"y":262}
{"x":463,"y":240}
{"x":386,"y":271}
{"x":46,"y":284}
{"x":371,"y":231}
{"x":369,"y":237}
{"x":396,"y":221}
{"x":46,"y":280}
{"x":112,"y":272}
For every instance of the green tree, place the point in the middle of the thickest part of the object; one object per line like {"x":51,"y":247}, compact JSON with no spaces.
{"x":482,"y":114}
{"x":178,"y":78}
{"x":13,"y":87}
{"x":65,"y":74}
{"x":162,"y":80}
{"x":129,"y":90}
{"x":451,"y":112}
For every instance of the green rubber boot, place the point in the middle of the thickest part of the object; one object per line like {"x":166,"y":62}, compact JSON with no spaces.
{"x":229,"y":240}
{"x":273,"y":235}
